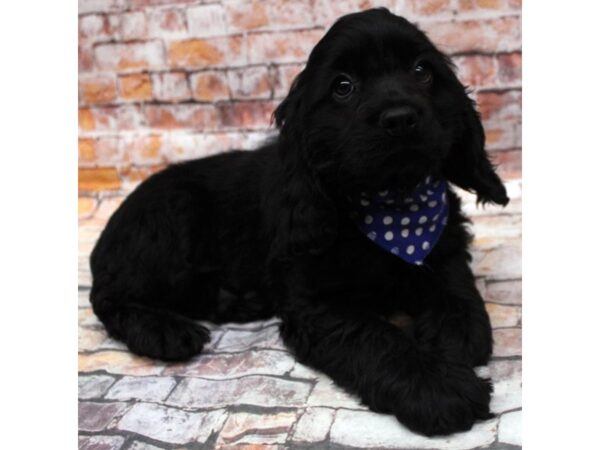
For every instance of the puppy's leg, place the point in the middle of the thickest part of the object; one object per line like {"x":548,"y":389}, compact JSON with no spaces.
{"x":153,"y":270}
{"x":457,"y":323}
{"x":387,"y":369}
{"x":153,"y":332}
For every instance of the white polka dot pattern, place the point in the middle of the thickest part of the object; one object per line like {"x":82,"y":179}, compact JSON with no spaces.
{"x":407,"y":225}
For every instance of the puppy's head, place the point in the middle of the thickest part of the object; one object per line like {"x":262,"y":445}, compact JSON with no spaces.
{"x":379,"y":107}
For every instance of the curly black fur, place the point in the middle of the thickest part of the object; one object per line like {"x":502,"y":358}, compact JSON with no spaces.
{"x":247,"y":235}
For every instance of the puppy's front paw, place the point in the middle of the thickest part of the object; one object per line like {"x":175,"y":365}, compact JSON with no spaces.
{"x":170,"y":339}
{"x":444,"y":400}
{"x":468,"y":339}
{"x":462,"y":338}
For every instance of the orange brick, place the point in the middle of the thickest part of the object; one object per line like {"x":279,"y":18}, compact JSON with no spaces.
{"x":135,"y":86}
{"x":282,"y":47}
{"x":93,"y":28}
{"x":100,"y":6}
{"x":329,"y":11}
{"x":500,"y":34}
{"x":429,"y":7}
{"x":134,"y":25}
{"x":107,"y":151}
{"x":85,"y":58}
{"x":129,"y":117}
{"x":98,"y":179}
{"x":209,"y":86}
{"x":143,"y":149}
{"x":190,"y":146}
{"x":87,"y":150}
{"x":107,"y":206}
{"x":492,"y":136}
{"x":509,"y":68}
{"x":284,"y":76}
{"x":503,"y":134}
{"x":135,"y":55}
{"x":490,"y":4}
{"x":508,"y":162}
{"x":477,"y":70}
{"x":142,"y":3}
{"x":171,"y":86}
{"x":243,"y":16}
{"x":250,"y":82}
{"x":501,"y":105}
{"x":180,"y":116}
{"x":206,"y":20}
{"x":86,"y":119}
{"x":134,"y":175}
{"x":253,"y":115}
{"x":206,"y":52}
{"x":99,"y":89}
{"x":469,"y":5}
{"x":97,"y":28}
{"x":369,"y":4}
{"x":166,"y":22}
{"x":86,"y":206}
{"x":515,"y":4}
{"x":285,"y":14}
{"x":102,"y":151}
{"x":99,"y":118}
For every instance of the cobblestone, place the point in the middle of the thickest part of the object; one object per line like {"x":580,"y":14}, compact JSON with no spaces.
{"x":87,"y":318}
{"x":119,"y":362}
{"x":510,"y":428}
{"x":84,"y":299}
{"x":508,"y":292}
{"x":326,"y":393}
{"x":137,"y":445}
{"x":169,"y":424}
{"x":367,"y":429}
{"x":101,"y":442}
{"x":222,"y":366}
{"x":239,"y":341}
{"x":507,"y":342}
{"x":305,"y":372}
{"x":506,"y":376}
{"x":246,"y":428}
{"x":502,"y":262}
{"x":151,"y":389}
{"x":97,"y":416}
{"x":90,"y":339}
{"x":94,"y":386}
{"x":252,"y":390}
{"x":314,"y":424}
{"x":503,"y":316}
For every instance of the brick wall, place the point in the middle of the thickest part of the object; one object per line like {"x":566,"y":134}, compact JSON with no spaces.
{"x":168,"y":80}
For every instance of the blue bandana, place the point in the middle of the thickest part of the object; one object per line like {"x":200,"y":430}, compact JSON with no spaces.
{"x":407,"y":225}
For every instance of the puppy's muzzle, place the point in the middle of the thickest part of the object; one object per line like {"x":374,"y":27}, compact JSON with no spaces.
{"x":400,"y":120}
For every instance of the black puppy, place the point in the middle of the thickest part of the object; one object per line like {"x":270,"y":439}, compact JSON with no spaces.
{"x":377,"y":122}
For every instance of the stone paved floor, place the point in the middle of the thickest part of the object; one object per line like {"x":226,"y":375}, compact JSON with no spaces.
{"x":247,"y":392}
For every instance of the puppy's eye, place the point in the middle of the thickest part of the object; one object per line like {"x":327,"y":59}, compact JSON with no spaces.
{"x":342,"y":87}
{"x":422,"y":74}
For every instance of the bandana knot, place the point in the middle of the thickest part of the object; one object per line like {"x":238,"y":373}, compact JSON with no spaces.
{"x":407,"y":225}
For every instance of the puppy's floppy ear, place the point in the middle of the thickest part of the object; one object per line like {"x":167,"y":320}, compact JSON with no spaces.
{"x":303,"y":216}
{"x":468,"y":165}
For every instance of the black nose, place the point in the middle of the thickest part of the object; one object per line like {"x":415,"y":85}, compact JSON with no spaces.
{"x":400,"y":120}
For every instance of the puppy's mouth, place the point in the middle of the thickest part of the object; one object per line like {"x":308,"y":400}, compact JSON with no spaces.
{"x":407,"y":168}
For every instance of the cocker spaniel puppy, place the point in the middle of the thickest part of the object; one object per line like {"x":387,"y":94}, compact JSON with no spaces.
{"x":347,"y":217}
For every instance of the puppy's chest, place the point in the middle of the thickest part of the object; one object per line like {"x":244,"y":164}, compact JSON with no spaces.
{"x":355,"y":267}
